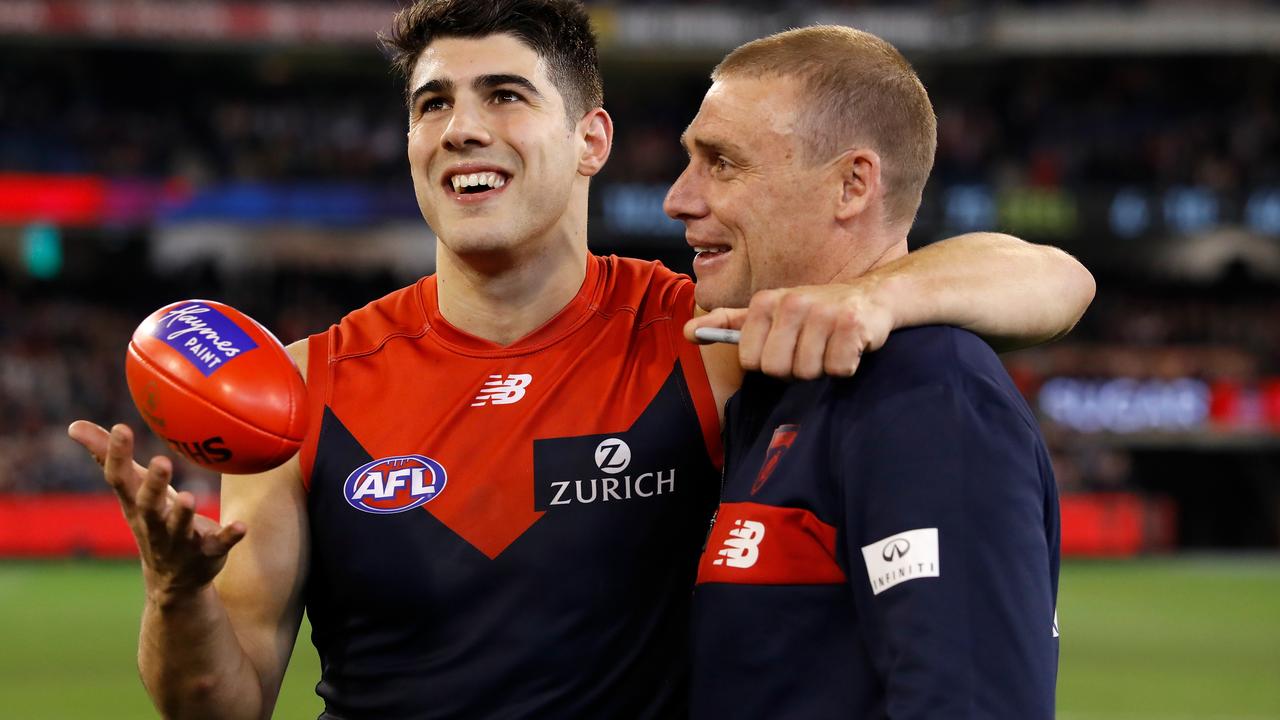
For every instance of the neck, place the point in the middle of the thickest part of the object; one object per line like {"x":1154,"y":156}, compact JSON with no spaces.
{"x":504,"y":295}
{"x":876,"y":245}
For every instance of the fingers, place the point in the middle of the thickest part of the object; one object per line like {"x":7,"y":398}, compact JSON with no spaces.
{"x":728,"y":318}
{"x":181,"y":518}
{"x":93,"y":437}
{"x":756,"y":328}
{"x":844,"y":349}
{"x":778,"y":353}
{"x":153,"y":494}
{"x":116,"y":458}
{"x":807,"y":332}
{"x":812,"y":345}
{"x":221,"y":542}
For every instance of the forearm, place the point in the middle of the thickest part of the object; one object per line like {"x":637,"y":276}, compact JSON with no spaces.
{"x":191,"y":661}
{"x":1012,"y":293}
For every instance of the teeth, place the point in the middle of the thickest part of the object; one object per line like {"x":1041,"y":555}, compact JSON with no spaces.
{"x":711,"y":250}
{"x":488,"y":179}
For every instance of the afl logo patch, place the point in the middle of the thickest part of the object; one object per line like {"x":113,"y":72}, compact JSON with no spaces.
{"x":394,"y":484}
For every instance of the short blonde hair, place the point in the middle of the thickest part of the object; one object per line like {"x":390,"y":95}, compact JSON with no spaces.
{"x":861,"y":92}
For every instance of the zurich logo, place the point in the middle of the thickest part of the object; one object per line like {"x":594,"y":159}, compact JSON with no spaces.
{"x":394,"y":484}
{"x":612,"y":455}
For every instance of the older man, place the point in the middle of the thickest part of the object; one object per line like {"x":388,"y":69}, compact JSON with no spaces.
{"x":886,"y":545}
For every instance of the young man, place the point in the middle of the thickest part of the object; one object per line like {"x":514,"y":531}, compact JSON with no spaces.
{"x":886,"y":545}
{"x":513,"y":462}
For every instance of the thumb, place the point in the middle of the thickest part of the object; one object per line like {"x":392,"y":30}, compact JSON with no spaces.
{"x":727,"y":318}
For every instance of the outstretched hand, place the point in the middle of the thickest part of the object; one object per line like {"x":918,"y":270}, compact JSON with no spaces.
{"x":804,"y":332}
{"x":181,"y":551}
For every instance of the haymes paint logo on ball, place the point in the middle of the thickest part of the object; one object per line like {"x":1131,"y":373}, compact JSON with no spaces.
{"x":205,"y":337}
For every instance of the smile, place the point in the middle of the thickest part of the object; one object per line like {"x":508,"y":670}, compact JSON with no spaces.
{"x":477,"y":182}
{"x":474,"y":182}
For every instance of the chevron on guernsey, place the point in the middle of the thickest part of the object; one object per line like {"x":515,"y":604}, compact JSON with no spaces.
{"x":394,"y":484}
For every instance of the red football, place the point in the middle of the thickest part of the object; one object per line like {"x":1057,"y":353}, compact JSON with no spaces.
{"x":217,"y":386}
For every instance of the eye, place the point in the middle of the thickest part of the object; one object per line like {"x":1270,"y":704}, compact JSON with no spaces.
{"x":720,"y":165}
{"x":506,"y":96}
{"x":431,"y":105}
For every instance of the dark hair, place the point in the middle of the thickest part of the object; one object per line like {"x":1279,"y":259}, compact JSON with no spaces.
{"x":559,"y":31}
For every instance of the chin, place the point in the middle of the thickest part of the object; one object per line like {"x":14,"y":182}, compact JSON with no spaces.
{"x":710,"y":297}
{"x":481,"y":235}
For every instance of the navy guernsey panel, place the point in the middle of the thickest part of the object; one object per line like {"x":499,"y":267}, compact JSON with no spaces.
{"x":886,"y":545}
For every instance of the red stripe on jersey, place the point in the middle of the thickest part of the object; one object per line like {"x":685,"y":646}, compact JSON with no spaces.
{"x":754,"y":544}
{"x":695,"y":373}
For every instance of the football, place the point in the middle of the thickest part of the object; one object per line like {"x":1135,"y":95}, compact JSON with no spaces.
{"x":217,"y":387}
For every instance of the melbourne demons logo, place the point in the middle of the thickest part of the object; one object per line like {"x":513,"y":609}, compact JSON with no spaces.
{"x":783,"y":437}
{"x":394,"y":484}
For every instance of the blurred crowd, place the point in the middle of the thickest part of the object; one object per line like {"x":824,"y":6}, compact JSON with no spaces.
{"x":1159,"y":122}
{"x":62,"y":358}
{"x":303,"y":115}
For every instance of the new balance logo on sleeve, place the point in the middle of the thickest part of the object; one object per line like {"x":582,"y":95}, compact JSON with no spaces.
{"x":502,"y":390}
{"x":742,"y":547}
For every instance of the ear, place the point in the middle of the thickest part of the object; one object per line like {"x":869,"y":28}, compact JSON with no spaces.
{"x":860,"y":181}
{"x":595,"y":130}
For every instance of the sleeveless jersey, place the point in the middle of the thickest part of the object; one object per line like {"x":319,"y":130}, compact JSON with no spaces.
{"x":510,"y":532}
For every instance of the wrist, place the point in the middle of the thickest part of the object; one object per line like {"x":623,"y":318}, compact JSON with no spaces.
{"x":896,"y":296}
{"x":168,"y":595}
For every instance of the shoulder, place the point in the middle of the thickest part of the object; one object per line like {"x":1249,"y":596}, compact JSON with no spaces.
{"x":647,"y":287}
{"x":929,"y":354}
{"x":398,"y":314}
{"x":934,"y":361}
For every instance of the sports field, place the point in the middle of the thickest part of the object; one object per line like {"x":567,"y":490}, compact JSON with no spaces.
{"x":1169,"y":639}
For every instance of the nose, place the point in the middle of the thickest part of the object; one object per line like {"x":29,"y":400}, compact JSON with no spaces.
{"x":466,"y":128}
{"x":684,"y":200}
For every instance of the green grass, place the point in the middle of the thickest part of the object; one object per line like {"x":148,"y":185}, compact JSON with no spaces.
{"x":69,"y":638}
{"x":1171,"y":639}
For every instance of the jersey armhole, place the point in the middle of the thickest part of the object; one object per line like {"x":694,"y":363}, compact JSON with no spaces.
{"x":317,"y":399}
{"x":695,"y":374}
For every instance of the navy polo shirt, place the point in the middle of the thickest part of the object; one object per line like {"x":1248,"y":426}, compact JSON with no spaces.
{"x":886,"y":545}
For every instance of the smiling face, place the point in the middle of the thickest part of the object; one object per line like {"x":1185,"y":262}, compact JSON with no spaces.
{"x":494,"y":158}
{"x":758,"y":213}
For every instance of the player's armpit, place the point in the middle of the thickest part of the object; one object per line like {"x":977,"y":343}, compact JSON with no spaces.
{"x":723,"y":371}
{"x":298,"y":352}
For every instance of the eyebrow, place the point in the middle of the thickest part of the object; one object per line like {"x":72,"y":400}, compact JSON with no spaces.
{"x":711,"y":147}
{"x":483,"y":82}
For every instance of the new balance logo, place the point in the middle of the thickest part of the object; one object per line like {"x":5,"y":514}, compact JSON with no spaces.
{"x":742,"y":548}
{"x":502,"y":390}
